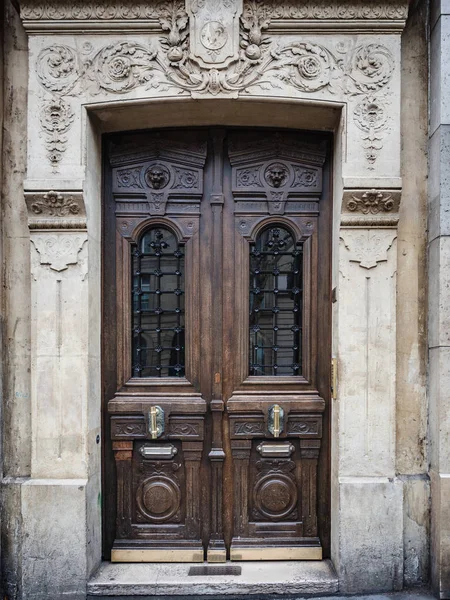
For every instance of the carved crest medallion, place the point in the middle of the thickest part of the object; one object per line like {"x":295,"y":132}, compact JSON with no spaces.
{"x":214,"y":31}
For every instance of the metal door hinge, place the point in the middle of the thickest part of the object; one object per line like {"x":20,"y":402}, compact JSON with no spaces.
{"x":334,"y":378}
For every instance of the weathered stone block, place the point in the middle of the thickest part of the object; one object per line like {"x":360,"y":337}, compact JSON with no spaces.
{"x":440,"y":533}
{"x":53,"y":550}
{"x":371,"y":535}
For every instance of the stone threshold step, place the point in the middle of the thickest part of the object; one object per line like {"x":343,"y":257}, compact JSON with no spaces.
{"x":258,"y":579}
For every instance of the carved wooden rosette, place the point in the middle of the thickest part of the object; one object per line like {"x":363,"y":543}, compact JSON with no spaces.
{"x":157,"y":183}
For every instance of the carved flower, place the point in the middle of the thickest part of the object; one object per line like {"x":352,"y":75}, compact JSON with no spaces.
{"x":372,"y":201}
{"x":313,"y":66}
{"x":119,"y":68}
{"x":309,"y":67}
{"x":370,"y":114}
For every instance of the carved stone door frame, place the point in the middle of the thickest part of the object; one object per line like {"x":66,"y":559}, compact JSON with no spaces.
{"x":73,"y":106}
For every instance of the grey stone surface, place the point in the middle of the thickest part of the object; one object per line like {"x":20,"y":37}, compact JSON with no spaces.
{"x":440,"y":73}
{"x":439,"y":183}
{"x":416,"y":529}
{"x":54,"y":551}
{"x":439,"y":292}
{"x":278,"y":577}
{"x":371,"y":550}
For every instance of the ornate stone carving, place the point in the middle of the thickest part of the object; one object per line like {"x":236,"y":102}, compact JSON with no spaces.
{"x":331,"y":9}
{"x":78,"y":10}
{"x":199,"y":56}
{"x":174,"y":19}
{"x":371,"y":117}
{"x":56,"y":118}
{"x":88,"y":10}
{"x":372,"y":201}
{"x":55,"y":210}
{"x":214,"y":31}
{"x":121,"y":67}
{"x":368,"y":247}
{"x":55,"y":204}
{"x":57,"y":250}
{"x":370,"y":208}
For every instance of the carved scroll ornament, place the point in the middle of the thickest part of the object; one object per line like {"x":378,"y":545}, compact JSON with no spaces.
{"x":198,"y":67}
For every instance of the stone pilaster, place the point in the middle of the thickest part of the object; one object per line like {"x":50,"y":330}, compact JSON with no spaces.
{"x":61,"y":490}
{"x":369,"y":497}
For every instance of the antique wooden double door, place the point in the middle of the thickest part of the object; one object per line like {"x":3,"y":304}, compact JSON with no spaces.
{"x":216,"y":345}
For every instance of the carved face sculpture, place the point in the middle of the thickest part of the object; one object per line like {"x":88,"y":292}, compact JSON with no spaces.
{"x":276,"y":175}
{"x":157,"y":177}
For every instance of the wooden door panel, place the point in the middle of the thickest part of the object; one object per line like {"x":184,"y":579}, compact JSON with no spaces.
{"x":223,"y":454}
{"x":156,"y":412}
{"x":276,"y":185}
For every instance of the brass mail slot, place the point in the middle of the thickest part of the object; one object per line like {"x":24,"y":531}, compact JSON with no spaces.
{"x":158,"y":452}
{"x":283,"y":449}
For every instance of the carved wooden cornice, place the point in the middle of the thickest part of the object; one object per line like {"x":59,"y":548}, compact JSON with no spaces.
{"x":42,"y":16}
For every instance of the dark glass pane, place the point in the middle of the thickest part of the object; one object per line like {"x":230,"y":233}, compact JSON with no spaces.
{"x":158,"y":305}
{"x":276,"y":298}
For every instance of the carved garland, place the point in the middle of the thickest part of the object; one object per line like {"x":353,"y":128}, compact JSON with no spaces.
{"x":121,"y":67}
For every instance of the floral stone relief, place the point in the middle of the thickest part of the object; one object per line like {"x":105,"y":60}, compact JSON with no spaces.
{"x":256,"y":61}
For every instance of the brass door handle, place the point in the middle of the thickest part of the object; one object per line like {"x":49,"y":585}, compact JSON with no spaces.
{"x":276,"y":420}
{"x":155,"y":422}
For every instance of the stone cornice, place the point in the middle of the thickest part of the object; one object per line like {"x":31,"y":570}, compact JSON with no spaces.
{"x":41,"y":16}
